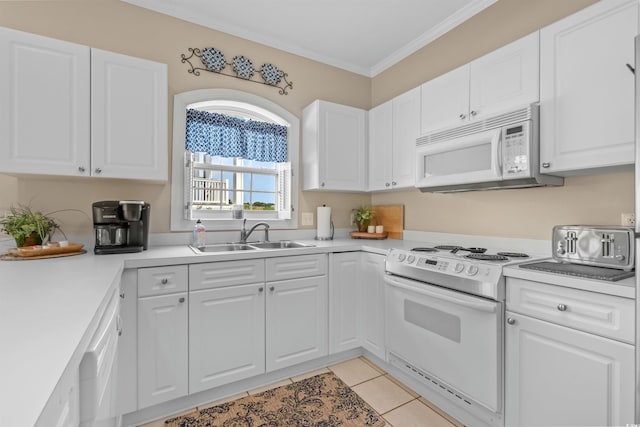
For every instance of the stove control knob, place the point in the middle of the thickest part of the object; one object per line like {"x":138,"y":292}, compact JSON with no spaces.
{"x":459,"y":267}
{"x":401,"y":257}
{"x":620,"y":257}
{"x":410,"y":259}
{"x":472,"y":270}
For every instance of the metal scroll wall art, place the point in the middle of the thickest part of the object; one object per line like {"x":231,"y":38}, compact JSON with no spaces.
{"x":214,"y":61}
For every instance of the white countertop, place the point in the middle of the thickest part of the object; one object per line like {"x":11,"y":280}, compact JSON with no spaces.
{"x":50,"y":308}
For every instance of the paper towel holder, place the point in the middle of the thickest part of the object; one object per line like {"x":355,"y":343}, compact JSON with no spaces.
{"x":330,"y":237}
{"x":330,"y":226}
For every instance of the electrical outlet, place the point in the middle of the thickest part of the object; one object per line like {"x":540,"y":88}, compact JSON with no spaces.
{"x":307,"y":218}
{"x":628,"y":219}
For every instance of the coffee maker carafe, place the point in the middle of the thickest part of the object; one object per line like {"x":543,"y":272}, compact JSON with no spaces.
{"x":121,"y":226}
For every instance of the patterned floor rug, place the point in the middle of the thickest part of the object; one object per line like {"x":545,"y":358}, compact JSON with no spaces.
{"x":320,"y":401}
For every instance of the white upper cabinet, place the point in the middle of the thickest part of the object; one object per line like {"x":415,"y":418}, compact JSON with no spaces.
{"x":393,"y":129}
{"x":587,"y":89}
{"x":505,"y":78}
{"x":128,"y":117}
{"x":334,"y":154}
{"x":445,"y":100}
{"x":380,"y":146}
{"x":67,"y":109}
{"x":44,"y":105}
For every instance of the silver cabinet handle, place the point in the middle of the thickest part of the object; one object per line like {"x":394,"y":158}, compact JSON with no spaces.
{"x":98,"y":170}
{"x":394,"y":183}
{"x":260,"y":289}
{"x":272,"y":288}
{"x":473,"y":113}
{"x":81,"y":169}
{"x":122,"y":295}
{"x":511,"y":320}
{"x":386,"y":184}
{"x":562,"y":307}
{"x":322,"y":184}
{"x":462,"y":116}
{"x":164,"y":281}
{"x":181,"y":300}
{"x":546,"y":164}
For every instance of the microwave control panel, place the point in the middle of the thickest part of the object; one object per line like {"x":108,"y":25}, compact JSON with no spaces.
{"x":515,"y":150}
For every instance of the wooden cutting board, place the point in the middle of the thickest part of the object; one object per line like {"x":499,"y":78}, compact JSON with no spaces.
{"x":391,"y":217}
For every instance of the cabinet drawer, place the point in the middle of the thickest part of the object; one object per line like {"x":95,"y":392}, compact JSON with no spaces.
{"x":162,"y":280}
{"x":605,"y":315}
{"x":294,"y":267}
{"x":226,"y":273}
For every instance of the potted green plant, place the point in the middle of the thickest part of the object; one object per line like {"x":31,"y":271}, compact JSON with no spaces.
{"x":28,"y":227}
{"x":362,"y":218}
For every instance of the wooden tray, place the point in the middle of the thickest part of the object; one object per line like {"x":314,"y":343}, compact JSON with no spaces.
{"x":363,"y":235}
{"x":32,"y":251}
{"x":10,"y":257}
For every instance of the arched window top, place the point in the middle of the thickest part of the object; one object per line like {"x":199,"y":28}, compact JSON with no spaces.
{"x":242,"y":105}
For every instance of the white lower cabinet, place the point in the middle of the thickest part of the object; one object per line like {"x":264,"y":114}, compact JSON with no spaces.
{"x":297,"y":321}
{"x":226,"y":329}
{"x":163,"y":324}
{"x":561,"y":375}
{"x":344,"y":298}
{"x":372,"y":303}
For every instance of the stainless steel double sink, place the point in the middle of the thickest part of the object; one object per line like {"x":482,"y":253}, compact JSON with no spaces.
{"x":228,"y":247}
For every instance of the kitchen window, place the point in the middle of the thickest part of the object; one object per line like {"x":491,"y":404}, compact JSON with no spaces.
{"x":232,"y":149}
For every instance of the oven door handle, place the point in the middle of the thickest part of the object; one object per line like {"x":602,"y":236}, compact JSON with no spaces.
{"x":475,"y":303}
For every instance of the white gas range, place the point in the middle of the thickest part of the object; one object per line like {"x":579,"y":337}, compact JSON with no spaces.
{"x":445,"y":326}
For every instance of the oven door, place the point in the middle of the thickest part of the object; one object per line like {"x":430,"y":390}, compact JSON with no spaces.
{"x":466,"y":160}
{"x":449,"y":335}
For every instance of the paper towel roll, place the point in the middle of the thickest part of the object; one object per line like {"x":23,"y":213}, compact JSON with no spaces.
{"x":324,"y":223}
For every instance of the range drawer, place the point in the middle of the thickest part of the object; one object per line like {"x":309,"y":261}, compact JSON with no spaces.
{"x":605,"y":315}
{"x":226,"y":273}
{"x":295,"y":267}
{"x":162,"y":280}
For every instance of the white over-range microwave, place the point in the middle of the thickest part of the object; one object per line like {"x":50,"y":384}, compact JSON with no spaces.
{"x":497,"y":152}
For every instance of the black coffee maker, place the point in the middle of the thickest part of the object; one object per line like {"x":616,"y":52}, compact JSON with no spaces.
{"x":121,"y":226}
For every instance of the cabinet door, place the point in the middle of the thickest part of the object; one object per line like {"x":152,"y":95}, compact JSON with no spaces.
{"x":44,"y":105}
{"x":162,"y":348}
{"x":334,"y":150}
{"x":406,"y":129}
{"x":445,"y":100}
{"x":380,"y":146}
{"x":226,"y":335}
{"x":297,"y":324}
{"x":372,"y":303}
{"x":344,"y":270}
{"x":128,"y":117}
{"x":586,"y":89}
{"x":505,"y":78}
{"x":559,"y":376}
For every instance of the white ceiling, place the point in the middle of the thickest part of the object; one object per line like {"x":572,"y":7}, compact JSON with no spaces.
{"x":362,"y":36}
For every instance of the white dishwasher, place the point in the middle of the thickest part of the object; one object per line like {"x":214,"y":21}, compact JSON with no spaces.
{"x":98,"y":370}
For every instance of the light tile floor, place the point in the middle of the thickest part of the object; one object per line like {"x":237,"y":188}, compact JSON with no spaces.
{"x":398,"y":405}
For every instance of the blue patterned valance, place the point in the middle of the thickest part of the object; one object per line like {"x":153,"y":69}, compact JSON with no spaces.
{"x":220,"y":135}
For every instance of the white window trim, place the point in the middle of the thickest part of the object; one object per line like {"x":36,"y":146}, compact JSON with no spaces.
{"x":180,"y":103}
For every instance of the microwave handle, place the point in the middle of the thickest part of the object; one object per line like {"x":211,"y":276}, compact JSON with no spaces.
{"x":496,"y":147}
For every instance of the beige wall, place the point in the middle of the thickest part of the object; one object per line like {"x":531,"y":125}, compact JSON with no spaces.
{"x":525,"y":213}
{"x":117,"y":26}
{"x":120,"y":27}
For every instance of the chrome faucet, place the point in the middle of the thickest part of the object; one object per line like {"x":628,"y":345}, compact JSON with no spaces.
{"x":244,"y":234}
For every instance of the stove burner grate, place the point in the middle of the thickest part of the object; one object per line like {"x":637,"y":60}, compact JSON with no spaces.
{"x":425,"y":249}
{"x":487,"y":257}
{"x":513,"y":254}
{"x":447,"y":247}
